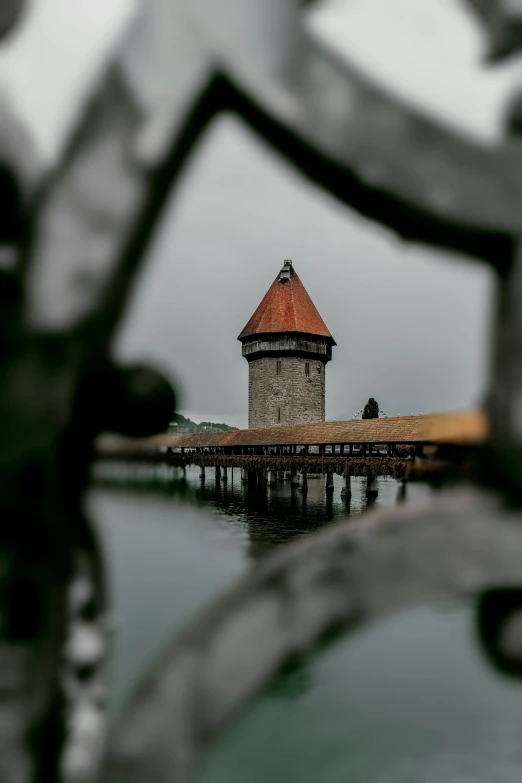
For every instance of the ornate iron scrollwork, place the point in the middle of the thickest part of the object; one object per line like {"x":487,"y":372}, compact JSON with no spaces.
{"x":81,"y":237}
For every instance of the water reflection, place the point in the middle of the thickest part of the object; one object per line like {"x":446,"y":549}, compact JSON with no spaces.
{"x":174,"y":542}
{"x":270,"y":515}
{"x":407,"y":699}
{"x":294,"y":682}
{"x":411,"y":698}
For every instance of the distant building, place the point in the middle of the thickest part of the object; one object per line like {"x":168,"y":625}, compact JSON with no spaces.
{"x":287,"y":345}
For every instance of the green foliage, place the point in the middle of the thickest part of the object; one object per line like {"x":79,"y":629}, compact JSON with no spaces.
{"x":371,"y":409}
{"x":187,"y":425}
{"x":181,"y":420}
{"x":215,"y":427}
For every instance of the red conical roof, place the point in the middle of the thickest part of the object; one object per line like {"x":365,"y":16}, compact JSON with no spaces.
{"x":286,"y":307}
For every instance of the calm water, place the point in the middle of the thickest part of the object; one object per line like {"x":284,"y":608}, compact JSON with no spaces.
{"x":408,"y":699}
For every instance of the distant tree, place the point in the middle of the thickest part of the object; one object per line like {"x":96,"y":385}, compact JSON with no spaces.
{"x":371,"y":409}
{"x":181,"y":423}
{"x":179,"y":419}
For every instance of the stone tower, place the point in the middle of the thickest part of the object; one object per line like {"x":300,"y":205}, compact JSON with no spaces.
{"x":287,"y":345}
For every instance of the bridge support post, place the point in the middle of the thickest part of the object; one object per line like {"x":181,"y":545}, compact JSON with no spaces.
{"x":294,"y":477}
{"x":270,"y":477}
{"x":202,"y":472}
{"x":329,"y":480}
{"x":224,"y":476}
{"x":371,"y":486}
{"x":218,"y":474}
{"x":401,"y":492}
{"x":346,"y":491}
{"x":304,"y":482}
{"x":245,"y":478}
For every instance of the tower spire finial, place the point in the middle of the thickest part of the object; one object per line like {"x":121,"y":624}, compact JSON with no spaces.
{"x":286,"y":270}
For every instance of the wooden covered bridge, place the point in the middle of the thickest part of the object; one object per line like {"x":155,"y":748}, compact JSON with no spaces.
{"x":404,"y":446}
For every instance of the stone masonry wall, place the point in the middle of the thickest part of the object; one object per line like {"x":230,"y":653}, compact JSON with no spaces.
{"x":289,"y":398}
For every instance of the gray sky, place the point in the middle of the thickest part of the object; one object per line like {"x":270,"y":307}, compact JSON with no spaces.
{"x":410,"y":324}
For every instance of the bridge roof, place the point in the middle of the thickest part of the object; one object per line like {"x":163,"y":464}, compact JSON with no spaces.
{"x":286,"y":307}
{"x":465,"y":428}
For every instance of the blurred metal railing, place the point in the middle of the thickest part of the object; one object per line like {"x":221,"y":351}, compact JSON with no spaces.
{"x":80,"y":238}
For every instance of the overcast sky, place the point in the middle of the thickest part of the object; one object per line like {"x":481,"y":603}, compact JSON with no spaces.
{"x":410,"y":324}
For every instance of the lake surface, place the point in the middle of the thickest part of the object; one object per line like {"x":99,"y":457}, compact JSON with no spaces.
{"x":408,"y":699}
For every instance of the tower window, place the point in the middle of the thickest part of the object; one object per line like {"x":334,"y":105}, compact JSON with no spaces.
{"x":307,"y":368}
{"x":278,"y":367}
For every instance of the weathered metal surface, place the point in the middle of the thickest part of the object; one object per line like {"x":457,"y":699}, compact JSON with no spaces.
{"x":380,"y":157}
{"x":502,"y":20}
{"x":84,"y":667}
{"x":179,"y":66}
{"x":10,"y":11}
